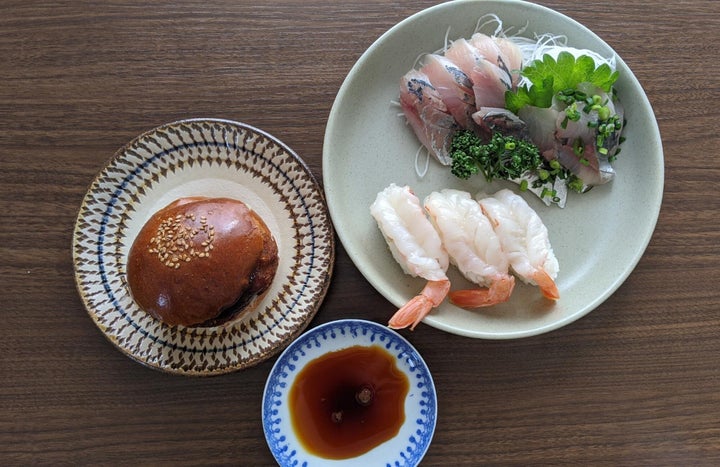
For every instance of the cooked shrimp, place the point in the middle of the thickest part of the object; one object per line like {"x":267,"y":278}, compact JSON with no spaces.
{"x":419,"y":306}
{"x":473,"y":246}
{"x":416,"y":246}
{"x":524,"y":238}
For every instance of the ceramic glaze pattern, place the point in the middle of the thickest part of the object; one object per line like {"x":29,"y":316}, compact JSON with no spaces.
{"x":413,"y":440}
{"x":189,"y":150}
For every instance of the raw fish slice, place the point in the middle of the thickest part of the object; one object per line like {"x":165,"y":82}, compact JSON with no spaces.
{"x":611,"y":142}
{"x":512,"y":57}
{"x":573,"y":143}
{"x":573,"y":130}
{"x":487,"y":47}
{"x":500,"y":52}
{"x":427,"y":114}
{"x":588,"y":167}
{"x":586,"y":127}
{"x":464,"y":55}
{"x":576,"y":141}
{"x":454,"y":87}
{"x":480,"y":64}
{"x":493,"y":119}
{"x":489,"y":84}
{"x":524,"y":238}
{"x":541,"y":123}
{"x":576,"y":150}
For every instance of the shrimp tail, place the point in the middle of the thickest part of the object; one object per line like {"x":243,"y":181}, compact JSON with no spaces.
{"x":547,"y":285}
{"x":498,"y":292}
{"x":414,"y":311}
{"x":411,"y":313}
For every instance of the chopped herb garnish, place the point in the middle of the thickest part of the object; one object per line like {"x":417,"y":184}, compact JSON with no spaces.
{"x":504,"y":157}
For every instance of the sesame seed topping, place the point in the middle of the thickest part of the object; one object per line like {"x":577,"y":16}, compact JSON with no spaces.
{"x":177,"y":239}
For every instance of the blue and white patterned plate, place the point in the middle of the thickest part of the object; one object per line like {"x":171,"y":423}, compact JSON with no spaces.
{"x":214,"y":158}
{"x":405,"y":449}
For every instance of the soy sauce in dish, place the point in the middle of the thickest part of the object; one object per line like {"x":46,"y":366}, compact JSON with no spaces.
{"x":347,"y":402}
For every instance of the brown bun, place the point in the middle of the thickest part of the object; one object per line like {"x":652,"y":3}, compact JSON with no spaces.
{"x":201,"y":262}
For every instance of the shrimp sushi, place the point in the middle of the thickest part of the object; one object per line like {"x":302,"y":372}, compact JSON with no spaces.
{"x":417,"y":248}
{"x":524,"y":238}
{"x":473,"y":247}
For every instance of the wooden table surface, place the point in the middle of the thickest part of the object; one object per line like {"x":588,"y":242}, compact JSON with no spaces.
{"x":635,"y":382}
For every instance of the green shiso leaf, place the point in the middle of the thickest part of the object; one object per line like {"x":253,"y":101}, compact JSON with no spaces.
{"x":549,"y":76}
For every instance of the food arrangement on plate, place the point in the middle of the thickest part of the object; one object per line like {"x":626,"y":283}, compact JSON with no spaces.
{"x":483,"y":238}
{"x":507,"y":101}
{"x":205,"y":246}
{"x":534,"y":112}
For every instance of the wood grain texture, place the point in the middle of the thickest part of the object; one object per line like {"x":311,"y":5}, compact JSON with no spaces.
{"x":636,"y":382}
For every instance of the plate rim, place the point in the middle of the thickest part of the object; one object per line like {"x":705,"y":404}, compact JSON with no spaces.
{"x":259,"y":357}
{"x":378,"y":285}
{"x":337,"y":324}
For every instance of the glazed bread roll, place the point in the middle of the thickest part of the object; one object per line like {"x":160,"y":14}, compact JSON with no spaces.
{"x":202,"y":262}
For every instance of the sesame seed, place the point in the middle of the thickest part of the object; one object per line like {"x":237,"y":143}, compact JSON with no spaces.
{"x":175,"y":242}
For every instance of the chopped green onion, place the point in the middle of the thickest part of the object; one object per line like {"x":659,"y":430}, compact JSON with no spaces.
{"x":576,"y":184}
{"x":578,"y":147}
{"x":604,"y":113}
{"x":573,"y":113}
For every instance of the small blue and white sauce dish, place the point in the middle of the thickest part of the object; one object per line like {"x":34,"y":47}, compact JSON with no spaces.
{"x":349,"y":392}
